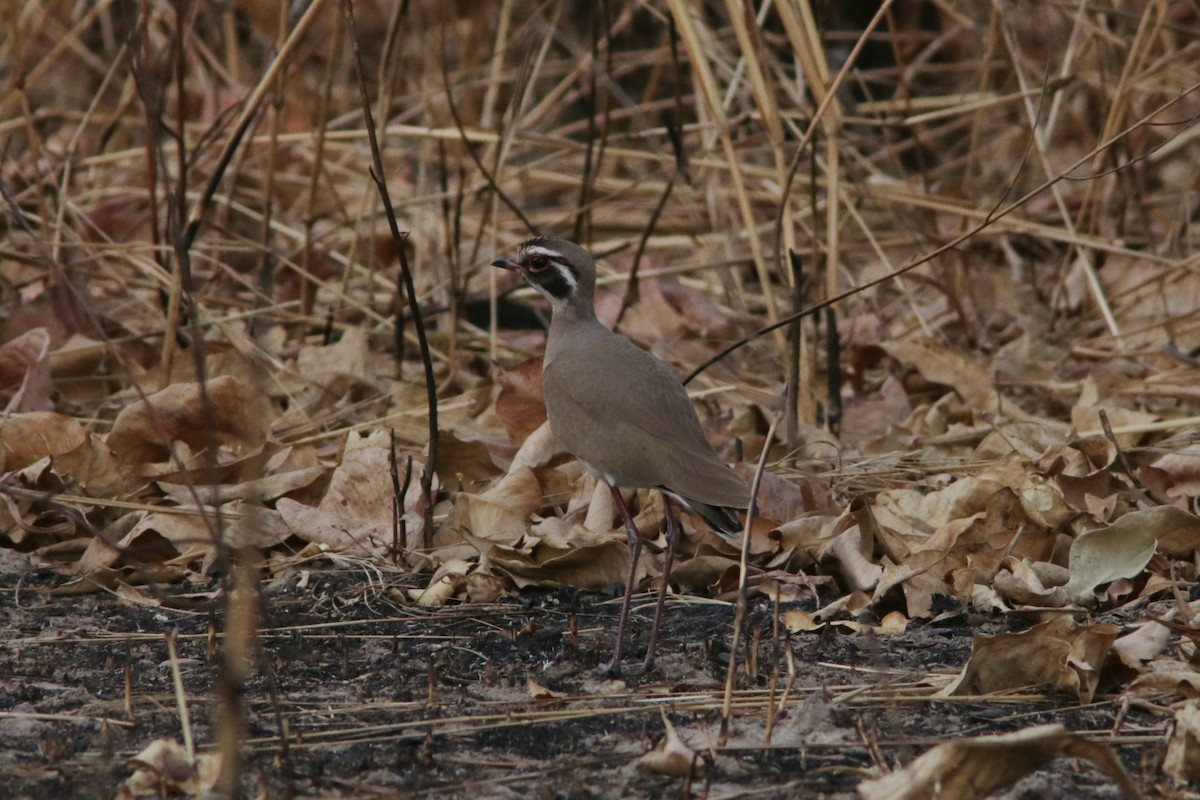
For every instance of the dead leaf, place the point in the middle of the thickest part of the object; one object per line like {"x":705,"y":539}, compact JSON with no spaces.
{"x":594,"y":496}
{"x":870,"y":419}
{"x":1177,"y":531}
{"x":1178,"y":472}
{"x":1085,"y":416}
{"x":269,"y":487}
{"x":146,"y":435}
{"x":539,"y":692}
{"x":1037,"y":583}
{"x":808,"y":535}
{"x":593,"y":566}
{"x":338,"y":533}
{"x":847,"y":557}
{"x":26,"y":438}
{"x":339,"y":367}
{"x":463,"y":463}
{"x":164,"y":766}
{"x":1142,"y":645}
{"x":537,"y":449}
{"x":892,"y":624}
{"x":1182,"y":761}
{"x":519,"y":406}
{"x":25,"y":372}
{"x":703,"y":572}
{"x":975,"y":768}
{"x":445,"y":583}
{"x":671,"y":757}
{"x":1122,"y":550}
{"x":781,"y":498}
{"x":91,"y":466}
{"x":501,"y":514}
{"x":1058,"y":654}
{"x":799,"y":621}
{"x":921,"y":575}
{"x":951,"y":367}
{"x":1163,"y":676}
{"x":154,"y":539}
{"x":361,"y":486}
{"x":255,"y":526}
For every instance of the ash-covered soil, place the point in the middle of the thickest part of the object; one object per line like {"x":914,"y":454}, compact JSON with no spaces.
{"x":377,"y":698}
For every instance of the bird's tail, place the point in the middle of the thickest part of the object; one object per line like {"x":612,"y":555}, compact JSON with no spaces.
{"x":722,"y":519}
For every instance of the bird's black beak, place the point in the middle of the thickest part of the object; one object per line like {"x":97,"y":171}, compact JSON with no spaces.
{"x":508,"y":264}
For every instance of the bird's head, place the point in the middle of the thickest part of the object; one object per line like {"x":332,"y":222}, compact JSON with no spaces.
{"x":562,"y":271}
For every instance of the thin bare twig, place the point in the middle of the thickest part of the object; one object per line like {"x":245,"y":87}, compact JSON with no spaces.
{"x":742,"y":595}
{"x":414,"y":306}
{"x":462,"y":132}
{"x":631,"y":288}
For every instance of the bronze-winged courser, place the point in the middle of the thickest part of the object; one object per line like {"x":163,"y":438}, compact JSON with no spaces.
{"x":623,"y":413}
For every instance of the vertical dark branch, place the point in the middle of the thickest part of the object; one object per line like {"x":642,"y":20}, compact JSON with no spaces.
{"x":250,"y":108}
{"x":181,"y":282}
{"x":820,"y":255}
{"x":179,"y":206}
{"x":240,"y":572}
{"x":377,"y":175}
{"x":327,"y":330}
{"x":598,"y":98}
{"x":266,"y":267}
{"x":674,"y":126}
{"x":449,"y":242}
{"x":792,"y":396}
{"x":150,"y":91}
{"x":450,"y":247}
{"x":462,"y":132}
{"x":460,"y":197}
{"x":631,"y":288}
{"x":397,"y":497}
{"x":389,"y":43}
{"x":608,"y":73}
{"x":833,"y":366}
{"x":184,"y":288}
{"x":307,"y":290}
{"x":398,"y":325}
{"x":583,"y":212}
{"x":400,"y":490}
{"x":283,"y":756}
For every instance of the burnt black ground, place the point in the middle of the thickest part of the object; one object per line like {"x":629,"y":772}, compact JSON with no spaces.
{"x":381,"y":699}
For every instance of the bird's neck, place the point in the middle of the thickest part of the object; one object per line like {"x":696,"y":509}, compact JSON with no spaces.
{"x":571,"y":318}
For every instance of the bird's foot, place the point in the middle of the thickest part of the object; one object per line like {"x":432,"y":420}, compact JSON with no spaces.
{"x":614,"y":670}
{"x":608,"y":669}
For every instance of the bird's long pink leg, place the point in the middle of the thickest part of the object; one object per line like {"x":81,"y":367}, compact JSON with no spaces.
{"x":673,"y":533}
{"x":635,"y":552}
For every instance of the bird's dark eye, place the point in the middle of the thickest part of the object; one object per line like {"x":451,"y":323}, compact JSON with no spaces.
{"x":538,"y":263}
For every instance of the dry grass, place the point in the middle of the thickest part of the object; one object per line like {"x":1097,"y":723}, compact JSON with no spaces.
{"x":187,"y":193}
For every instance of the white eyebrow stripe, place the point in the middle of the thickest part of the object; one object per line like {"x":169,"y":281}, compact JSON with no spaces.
{"x":567,"y":276}
{"x":542,"y":251}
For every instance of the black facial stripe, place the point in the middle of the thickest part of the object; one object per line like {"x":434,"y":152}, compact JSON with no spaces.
{"x":554,"y":280}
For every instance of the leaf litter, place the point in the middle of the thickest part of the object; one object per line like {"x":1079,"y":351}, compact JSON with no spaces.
{"x":985,"y":501}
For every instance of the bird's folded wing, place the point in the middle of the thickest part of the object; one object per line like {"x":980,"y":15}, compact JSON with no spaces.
{"x":628,"y":417}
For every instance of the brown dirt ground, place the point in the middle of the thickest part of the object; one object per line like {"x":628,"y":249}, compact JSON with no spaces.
{"x":383,"y":700}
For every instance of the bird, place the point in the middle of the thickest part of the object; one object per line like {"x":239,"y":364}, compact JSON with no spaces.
{"x":624,"y":414}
